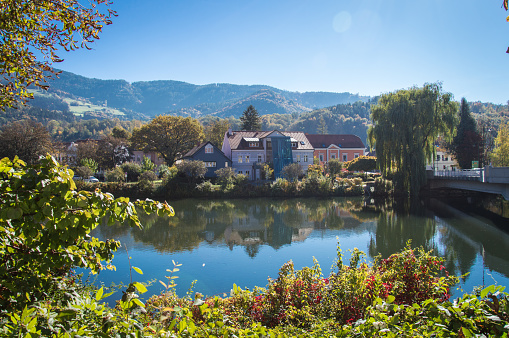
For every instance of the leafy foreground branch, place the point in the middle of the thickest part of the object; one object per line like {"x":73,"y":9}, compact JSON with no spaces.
{"x":44,"y":234}
{"x":401,"y":296}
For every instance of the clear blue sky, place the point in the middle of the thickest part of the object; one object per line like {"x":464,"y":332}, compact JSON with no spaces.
{"x":360,"y":46}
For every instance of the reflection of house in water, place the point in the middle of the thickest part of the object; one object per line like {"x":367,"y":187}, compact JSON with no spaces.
{"x":249,"y":230}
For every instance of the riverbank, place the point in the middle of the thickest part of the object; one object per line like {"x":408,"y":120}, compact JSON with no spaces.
{"x":311,"y":186}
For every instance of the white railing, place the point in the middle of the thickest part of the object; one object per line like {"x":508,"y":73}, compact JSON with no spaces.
{"x":465,"y":175}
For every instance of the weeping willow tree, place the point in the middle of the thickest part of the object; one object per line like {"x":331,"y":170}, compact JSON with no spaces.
{"x":405,"y":126}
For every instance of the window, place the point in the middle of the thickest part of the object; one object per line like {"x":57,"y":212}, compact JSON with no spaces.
{"x":333,"y":156}
{"x":210,"y":164}
{"x":259,"y":158}
{"x":355,"y":155}
{"x":305,"y":158}
{"x":209,"y":149}
{"x":239,"y":172}
{"x":438,"y":157}
{"x":446,"y":158}
{"x":345,"y":157}
{"x":226,"y":164}
{"x":269,"y":144}
{"x":254,"y":144}
{"x":294,"y":144}
{"x":247,"y":158}
{"x":321,"y":157}
{"x":298,"y":158}
{"x":240,"y":158}
{"x":247,"y":173}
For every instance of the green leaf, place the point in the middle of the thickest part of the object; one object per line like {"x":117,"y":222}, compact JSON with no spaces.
{"x":486,"y":291}
{"x":466,"y":332}
{"x":138,"y":302}
{"x":390,"y":299}
{"x":138,"y":270}
{"x":140,"y":287}
{"x":99,"y":294}
{"x":14,"y":213}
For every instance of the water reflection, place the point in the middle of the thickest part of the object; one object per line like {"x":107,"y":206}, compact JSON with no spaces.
{"x":302,"y":228}
{"x":247,"y":223}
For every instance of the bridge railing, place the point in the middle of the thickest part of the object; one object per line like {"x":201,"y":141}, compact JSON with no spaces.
{"x":463,"y":175}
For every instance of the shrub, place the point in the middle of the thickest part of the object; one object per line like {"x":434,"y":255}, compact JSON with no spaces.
{"x":133,"y":170}
{"x":292,"y":171}
{"x":361,"y":163}
{"x":83,"y":172}
{"x":192,"y":169}
{"x":207,"y":187}
{"x":147,"y":164}
{"x":45,"y":229}
{"x":225,"y":176}
{"x":115,"y":175}
{"x":334,"y":167}
{"x":148,"y":176}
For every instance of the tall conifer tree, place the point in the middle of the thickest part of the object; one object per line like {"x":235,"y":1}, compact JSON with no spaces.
{"x":251,"y":119}
{"x":467,"y":142}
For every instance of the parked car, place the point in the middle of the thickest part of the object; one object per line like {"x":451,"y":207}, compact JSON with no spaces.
{"x":90,"y":179}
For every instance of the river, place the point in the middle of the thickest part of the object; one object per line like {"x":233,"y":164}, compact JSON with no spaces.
{"x":245,"y":241}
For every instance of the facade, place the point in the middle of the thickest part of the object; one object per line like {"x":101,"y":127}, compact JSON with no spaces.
{"x":137,"y":157}
{"x":248,"y":150}
{"x":342,"y":147}
{"x":443,"y":161}
{"x":213,"y":157}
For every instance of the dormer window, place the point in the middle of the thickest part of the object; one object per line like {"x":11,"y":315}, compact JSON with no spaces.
{"x":209,"y":149}
{"x":254,"y":144}
{"x":294,"y":144}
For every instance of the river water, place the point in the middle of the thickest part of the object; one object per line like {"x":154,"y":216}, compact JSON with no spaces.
{"x":245,"y":241}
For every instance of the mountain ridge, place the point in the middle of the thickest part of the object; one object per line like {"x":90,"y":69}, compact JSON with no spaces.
{"x":177,"y":97}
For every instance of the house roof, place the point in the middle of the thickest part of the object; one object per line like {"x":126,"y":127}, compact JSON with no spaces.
{"x":343,"y":141}
{"x":193,"y":151}
{"x":236,"y":137}
{"x":198,"y":147}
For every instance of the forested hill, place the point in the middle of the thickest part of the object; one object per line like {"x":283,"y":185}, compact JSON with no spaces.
{"x":159,"y":97}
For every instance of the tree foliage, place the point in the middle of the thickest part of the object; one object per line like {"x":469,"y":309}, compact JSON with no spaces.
{"x":334,"y":167}
{"x":32,"y":34}
{"x":45,"y":225}
{"x":214,"y":131}
{"x":251,"y":119}
{"x":26,"y":139}
{"x":322,"y":126}
{"x":467,"y":142}
{"x":292,"y":171}
{"x":500,"y":155}
{"x":170,"y":136}
{"x":192,"y":169}
{"x":406,"y":124}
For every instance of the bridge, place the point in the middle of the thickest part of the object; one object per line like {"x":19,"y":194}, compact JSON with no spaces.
{"x":492,"y":180}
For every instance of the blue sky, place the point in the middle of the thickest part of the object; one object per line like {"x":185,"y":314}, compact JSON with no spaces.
{"x":359,"y":46}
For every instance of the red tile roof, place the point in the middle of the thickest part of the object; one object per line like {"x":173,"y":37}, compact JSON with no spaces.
{"x":343,"y":141}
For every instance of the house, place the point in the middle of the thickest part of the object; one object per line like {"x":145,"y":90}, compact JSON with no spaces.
{"x":342,"y":147}
{"x":443,"y":161}
{"x":213,"y":157}
{"x":248,"y":150}
{"x":137,"y":157}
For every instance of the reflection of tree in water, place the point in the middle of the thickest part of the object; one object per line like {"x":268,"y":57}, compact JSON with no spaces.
{"x":395,"y":228}
{"x":459,"y":254}
{"x":250,"y":223}
{"x":252,"y":249}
